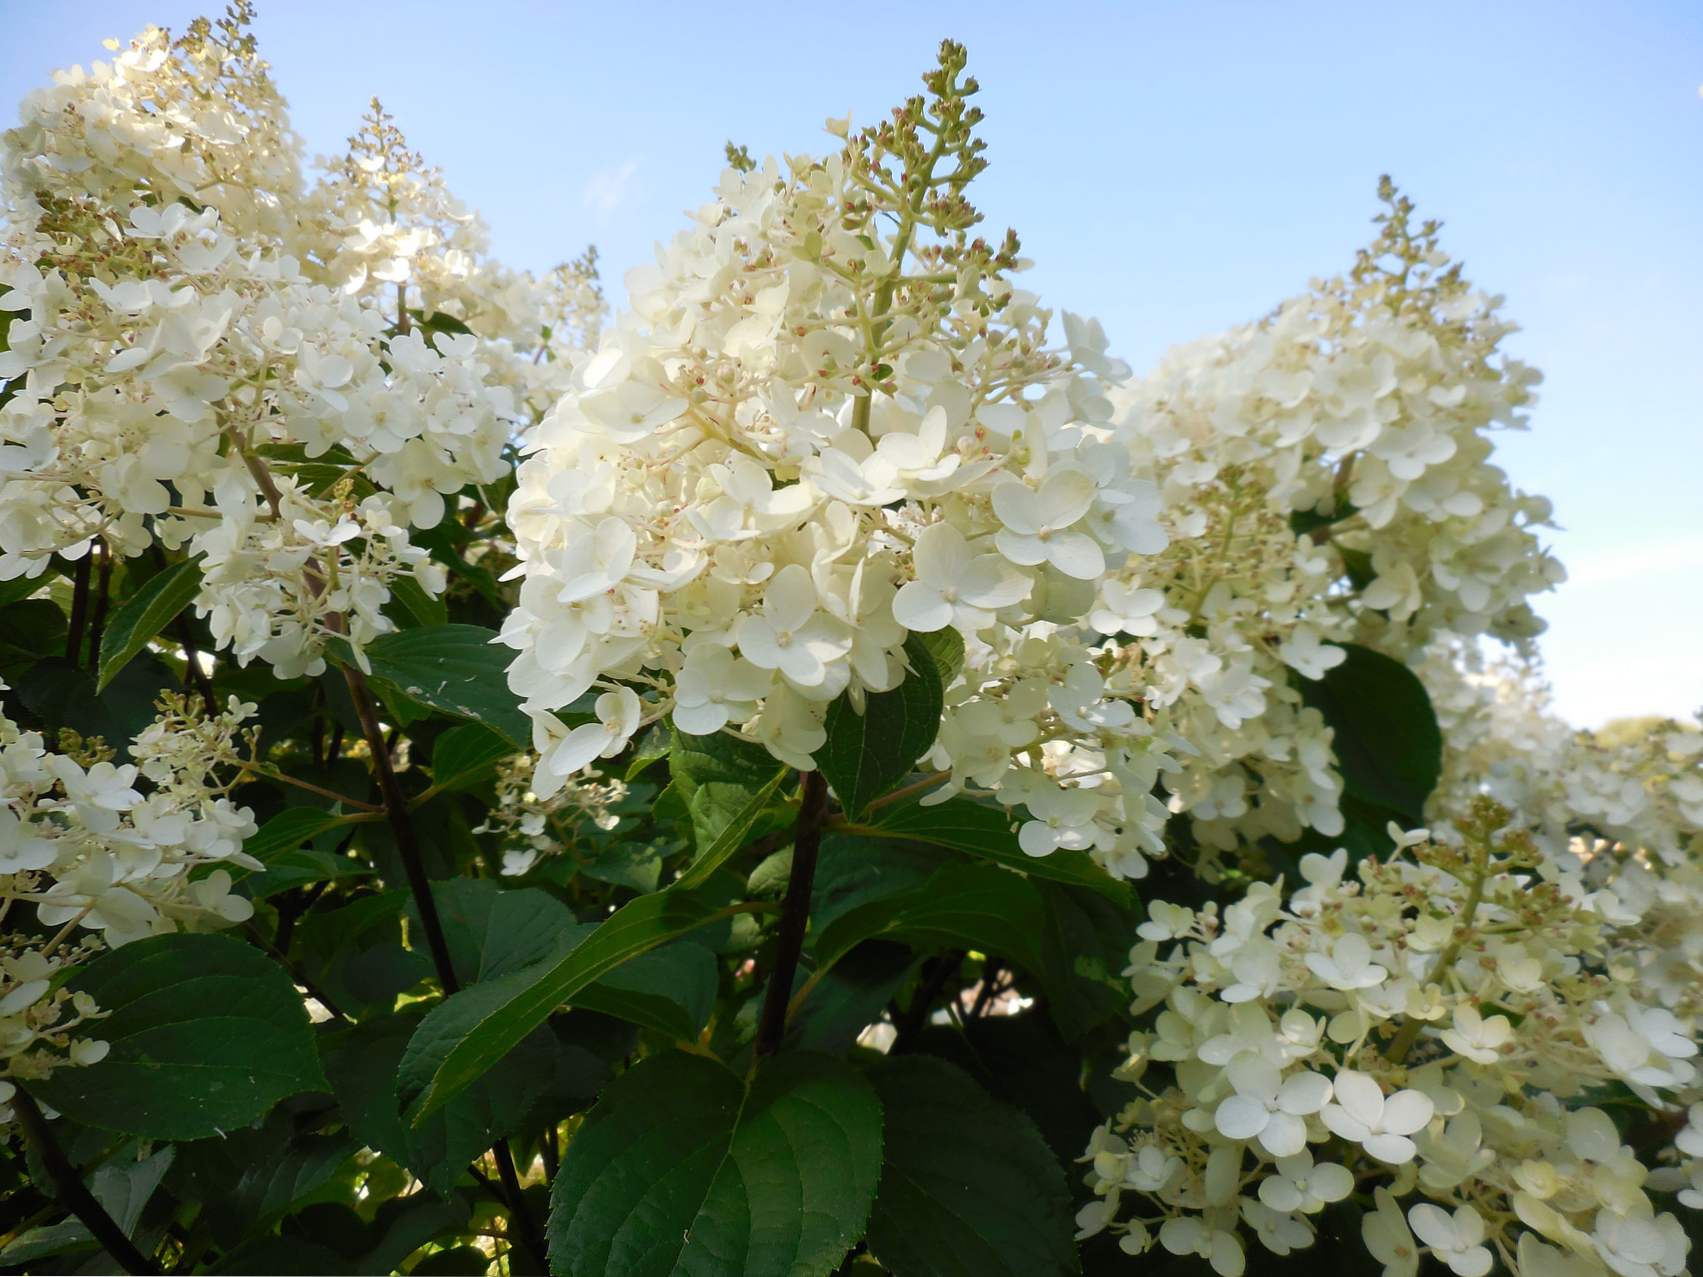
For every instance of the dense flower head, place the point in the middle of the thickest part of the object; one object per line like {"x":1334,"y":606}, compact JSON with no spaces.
{"x":197,"y":119}
{"x":1364,"y":1028}
{"x":831,"y":420}
{"x":96,"y":853}
{"x":190,"y":334}
{"x":796,"y":449}
{"x":1326,"y":479}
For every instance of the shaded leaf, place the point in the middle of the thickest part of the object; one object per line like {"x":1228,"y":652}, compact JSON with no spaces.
{"x":959,"y":906}
{"x":985,"y":831}
{"x":968,"y":1187}
{"x":363,"y":1063}
{"x":725,"y":783}
{"x":206,"y":1035}
{"x":681,"y":1169}
{"x":473,"y":1029}
{"x":868,"y":753}
{"x":467,"y":756}
{"x":454,"y":669}
{"x":1387,"y":742}
{"x":136,"y":621}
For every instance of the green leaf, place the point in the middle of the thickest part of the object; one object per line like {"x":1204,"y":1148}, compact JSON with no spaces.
{"x":362,"y":1064}
{"x":32,"y":635}
{"x":20,"y":588}
{"x":355,"y":953}
{"x":248,"y":1179}
{"x":62,"y":695}
{"x":282,"y":845}
{"x":1306,"y":522}
{"x":122,"y":1186}
{"x":946,"y":647}
{"x":959,"y":906}
{"x":282,"y":1257}
{"x":144,"y":614}
{"x":682,"y":1168}
{"x":852,"y":996}
{"x":671,"y":990}
{"x":299,"y":868}
{"x":439,"y":322}
{"x":467,"y":756}
{"x":852,"y":871}
{"x":653,"y":747}
{"x":1388,"y":745}
{"x":1357,"y":564}
{"x":421,"y":606}
{"x":626,"y":864}
{"x":458,"y":1260}
{"x":471,"y":1030}
{"x":206,"y":1035}
{"x":66,"y":1237}
{"x":968,"y":1187}
{"x":289,"y":830}
{"x":494,"y":932}
{"x":405,"y":1224}
{"x":453,"y":669}
{"x":984,"y":831}
{"x":725,"y":784}
{"x":1087,"y":947}
{"x":447,"y":545}
{"x":1023,"y":1061}
{"x":867,"y":754}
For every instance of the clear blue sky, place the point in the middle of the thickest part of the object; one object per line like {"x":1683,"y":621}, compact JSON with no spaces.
{"x":1172,"y":168}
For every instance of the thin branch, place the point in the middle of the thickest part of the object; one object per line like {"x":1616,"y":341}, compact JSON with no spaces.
{"x":72,"y":1193}
{"x":909,"y":1022}
{"x":795,"y":912}
{"x":408,"y":849}
{"x":79,"y":612}
{"x":103,"y":600}
{"x":905,"y":791}
{"x":402,"y":827}
{"x":551,"y":1152}
{"x":521,"y":1224}
{"x":284,"y":778}
{"x":991,"y":971}
{"x":192,"y":663}
{"x":296,"y":975}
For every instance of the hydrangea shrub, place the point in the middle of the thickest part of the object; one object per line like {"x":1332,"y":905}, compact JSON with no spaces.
{"x":820,"y":768}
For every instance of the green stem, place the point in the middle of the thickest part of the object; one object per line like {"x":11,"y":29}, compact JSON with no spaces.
{"x":1404,"y":1040}
{"x":895,"y":271}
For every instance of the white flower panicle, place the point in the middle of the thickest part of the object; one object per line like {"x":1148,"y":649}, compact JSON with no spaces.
{"x":196,"y":346}
{"x":100,"y":853}
{"x":1326,"y":479}
{"x":1436,"y":1025}
{"x":531,"y":829}
{"x":829,"y":421}
{"x":808,"y":440}
{"x":110,"y":847}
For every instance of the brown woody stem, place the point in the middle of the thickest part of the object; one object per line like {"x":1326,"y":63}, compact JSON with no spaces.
{"x":402,"y":827}
{"x":72,"y":1193}
{"x":795,"y":912}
